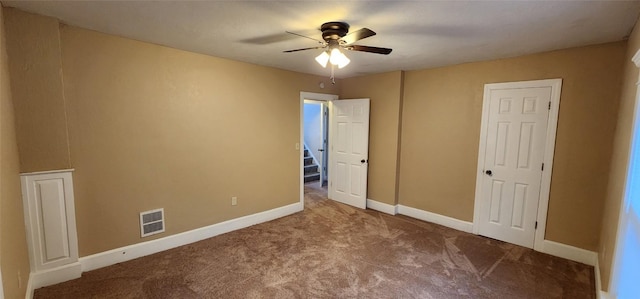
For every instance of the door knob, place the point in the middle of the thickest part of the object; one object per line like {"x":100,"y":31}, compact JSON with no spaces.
{"x":488,"y":172}
{"x":363,"y":161}
{"x":321,"y":150}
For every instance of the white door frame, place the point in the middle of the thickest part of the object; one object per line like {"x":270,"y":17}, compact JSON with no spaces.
{"x":624,"y":204}
{"x":316,"y":97}
{"x":550,"y":142}
{"x":1,"y":288}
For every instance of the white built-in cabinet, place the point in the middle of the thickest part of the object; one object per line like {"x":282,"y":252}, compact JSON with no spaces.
{"x":51,"y":224}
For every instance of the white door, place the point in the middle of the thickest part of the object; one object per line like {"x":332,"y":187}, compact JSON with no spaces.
{"x":514,"y":148}
{"x":349,"y":155}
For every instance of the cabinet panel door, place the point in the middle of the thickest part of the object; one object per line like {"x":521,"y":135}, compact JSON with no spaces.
{"x":50,"y":219}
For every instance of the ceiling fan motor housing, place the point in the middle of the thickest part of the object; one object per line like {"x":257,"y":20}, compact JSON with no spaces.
{"x":335,"y":36}
{"x":334,"y":30}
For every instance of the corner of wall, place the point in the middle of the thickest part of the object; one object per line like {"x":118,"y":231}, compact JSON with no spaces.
{"x":399,"y":144}
{"x":13,"y":248}
{"x":618,"y":165}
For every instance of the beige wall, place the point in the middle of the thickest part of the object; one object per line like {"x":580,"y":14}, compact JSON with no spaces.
{"x":150,"y":126}
{"x":441,"y":129}
{"x":154,"y":127}
{"x":619,"y":160}
{"x":38,"y":97}
{"x":385,"y":92}
{"x":14,"y":259}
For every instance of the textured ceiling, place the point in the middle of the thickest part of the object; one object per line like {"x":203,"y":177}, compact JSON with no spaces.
{"x":423,"y":34}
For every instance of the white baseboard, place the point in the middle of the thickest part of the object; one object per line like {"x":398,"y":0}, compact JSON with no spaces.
{"x":118,"y":255}
{"x":382,"y":207}
{"x":596,"y":273}
{"x":134,"y":251}
{"x":600,"y":294}
{"x":570,"y":252}
{"x":53,"y":276}
{"x":603,"y":295}
{"x":596,"y":270}
{"x":30,"y":288}
{"x":436,"y":218}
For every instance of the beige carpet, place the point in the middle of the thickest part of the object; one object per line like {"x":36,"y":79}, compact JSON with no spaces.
{"x":334,"y":251}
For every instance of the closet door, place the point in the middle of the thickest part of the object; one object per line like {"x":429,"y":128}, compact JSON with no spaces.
{"x":50,"y":219}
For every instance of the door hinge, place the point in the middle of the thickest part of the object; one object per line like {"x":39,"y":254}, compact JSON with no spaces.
{"x":549,"y":105}
{"x":542,"y":166}
{"x":536,"y":227}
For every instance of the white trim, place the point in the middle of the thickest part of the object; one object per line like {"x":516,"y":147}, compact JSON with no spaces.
{"x":549,"y":152}
{"x":54,"y":276}
{"x":316,"y":97}
{"x":30,"y":288}
{"x":482,"y":152}
{"x":47,"y":172}
{"x":134,"y":251}
{"x":545,"y":184}
{"x":596,"y":274}
{"x":636,"y":59}
{"x":1,"y":288}
{"x":624,"y":203}
{"x":454,"y":223}
{"x":382,"y":207}
{"x":569,"y":252}
{"x":600,"y":294}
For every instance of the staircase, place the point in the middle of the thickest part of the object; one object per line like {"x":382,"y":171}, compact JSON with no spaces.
{"x":311,"y":173}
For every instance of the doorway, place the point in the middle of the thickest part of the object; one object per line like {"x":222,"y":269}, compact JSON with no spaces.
{"x":321,"y":102}
{"x":346,"y":150}
{"x":515,"y":157}
{"x":315,"y":142}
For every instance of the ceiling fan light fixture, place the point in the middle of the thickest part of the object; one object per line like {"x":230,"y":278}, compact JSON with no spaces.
{"x":323,"y":59}
{"x":343,"y":61}
{"x":336,"y":56}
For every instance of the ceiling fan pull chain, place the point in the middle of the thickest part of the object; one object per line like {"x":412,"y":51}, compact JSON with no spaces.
{"x":333,"y":78}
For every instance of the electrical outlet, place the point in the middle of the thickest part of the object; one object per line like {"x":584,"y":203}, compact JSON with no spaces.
{"x":19,"y":280}
{"x":234,"y":201}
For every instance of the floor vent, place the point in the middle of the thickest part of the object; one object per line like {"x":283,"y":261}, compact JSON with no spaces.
{"x":151,"y":222}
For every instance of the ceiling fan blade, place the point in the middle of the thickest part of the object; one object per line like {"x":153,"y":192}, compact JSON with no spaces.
{"x":358,"y":35}
{"x":300,"y":35}
{"x":376,"y":50}
{"x":296,"y":50}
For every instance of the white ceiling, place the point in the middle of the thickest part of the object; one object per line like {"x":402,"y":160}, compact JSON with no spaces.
{"x":423,"y":34}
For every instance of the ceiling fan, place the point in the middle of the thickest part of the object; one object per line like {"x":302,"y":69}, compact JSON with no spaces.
{"x":335,"y":38}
